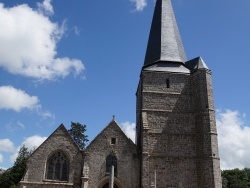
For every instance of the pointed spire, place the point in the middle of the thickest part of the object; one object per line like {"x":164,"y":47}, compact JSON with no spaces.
{"x":164,"y":43}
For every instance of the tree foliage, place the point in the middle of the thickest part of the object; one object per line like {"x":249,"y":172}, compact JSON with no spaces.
{"x":77,"y":132}
{"x":12,"y":176}
{"x":1,"y":170}
{"x":236,"y":178}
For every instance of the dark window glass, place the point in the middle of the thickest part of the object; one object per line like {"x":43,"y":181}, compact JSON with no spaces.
{"x":57,"y":167}
{"x":167,"y":83}
{"x":65,"y":172}
{"x":113,"y":141}
{"x":111,"y":160}
{"x":50,"y":170}
{"x":57,"y":171}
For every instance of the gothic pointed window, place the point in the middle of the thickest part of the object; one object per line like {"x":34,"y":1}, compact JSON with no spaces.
{"x":57,"y":167}
{"x":111,"y":160}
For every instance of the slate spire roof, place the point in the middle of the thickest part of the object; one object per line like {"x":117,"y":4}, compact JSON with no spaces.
{"x":164,"y":43}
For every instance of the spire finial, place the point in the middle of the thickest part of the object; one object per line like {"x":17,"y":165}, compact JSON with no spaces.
{"x":113,"y":117}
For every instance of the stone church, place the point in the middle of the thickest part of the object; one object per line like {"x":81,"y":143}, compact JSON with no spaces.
{"x":176,"y":138}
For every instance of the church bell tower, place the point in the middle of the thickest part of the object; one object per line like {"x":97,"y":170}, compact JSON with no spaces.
{"x":176,"y":128}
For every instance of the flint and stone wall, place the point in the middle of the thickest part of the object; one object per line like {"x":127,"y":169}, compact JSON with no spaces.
{"x":178,"y":138}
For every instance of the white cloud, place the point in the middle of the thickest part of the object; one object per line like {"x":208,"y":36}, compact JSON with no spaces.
{"x":13,"y":157}
{"x":1,"y":158}
{"x":234,"y":140}
{"x":77,"y":30}
{"x":20,"y":125}
{"x":6,"y":145}
{"x":129,"y":129}
{"x":2,"y":169}
{"x":29,"y":41}
{"x":45,"y":114}
{"x":46,"y":7}
{"x":31,"y":143}
{"x":16,"y":99}
{"x":63,"y":66}
{"x":11,"y":127}
{"x":139,"y":4}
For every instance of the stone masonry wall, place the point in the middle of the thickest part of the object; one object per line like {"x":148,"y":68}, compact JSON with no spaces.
{"x":124,"y":150}
{"x":178,"y":130}
{"x":168,"y":136}
{"x":208,"y":163}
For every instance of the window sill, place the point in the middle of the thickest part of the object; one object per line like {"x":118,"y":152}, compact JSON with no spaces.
{"x":47,"y":182}
{"x":56,"y":181}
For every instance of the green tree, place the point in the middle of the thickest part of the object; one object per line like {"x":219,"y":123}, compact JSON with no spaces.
{"x":6,"y":179}
{"x":236,"y":178}
{"x":77,"y":132}
{"x":1,"y":170}
{"x":12,"y":176}
{"x":19,"y":167}
{"x":224,"y":182}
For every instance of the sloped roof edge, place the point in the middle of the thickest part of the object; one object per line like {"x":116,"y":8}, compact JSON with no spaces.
{"x":196,"y":64}
{"x":61,"y":126}
{"x":109,"y":124}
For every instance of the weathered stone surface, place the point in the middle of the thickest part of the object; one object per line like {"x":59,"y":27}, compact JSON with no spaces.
{"x":177,"y":137}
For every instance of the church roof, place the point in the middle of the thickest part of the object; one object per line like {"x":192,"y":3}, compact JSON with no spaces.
{"x":175,"y":67}
{"x":196,"y":63}
{"x":60,"y":131}
{"x":113,"y":125}
{"x":164,"y":43}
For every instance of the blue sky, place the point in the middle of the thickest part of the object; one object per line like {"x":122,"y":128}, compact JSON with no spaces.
{"x":63,"y":61}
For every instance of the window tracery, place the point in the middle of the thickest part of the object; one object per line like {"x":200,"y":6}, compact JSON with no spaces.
{"x":57,"y":167}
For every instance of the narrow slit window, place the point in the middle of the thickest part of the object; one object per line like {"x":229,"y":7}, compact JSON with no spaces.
{"x":167,"y":83}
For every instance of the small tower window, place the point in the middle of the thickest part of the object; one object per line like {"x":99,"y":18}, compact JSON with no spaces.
{"x":113,"y":141}
{"x":167,"y":83}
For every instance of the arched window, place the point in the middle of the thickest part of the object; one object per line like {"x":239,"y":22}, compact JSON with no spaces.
{"x":111,"y":160}
{"x":57,"y":167}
